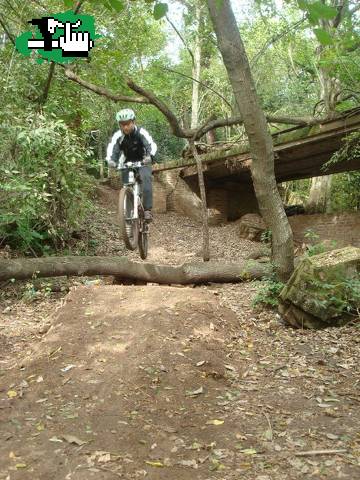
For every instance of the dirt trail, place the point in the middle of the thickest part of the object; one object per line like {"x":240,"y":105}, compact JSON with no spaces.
{"x":136,"y":373}
{"x":167,"y":383}
{"x":173,"y":383}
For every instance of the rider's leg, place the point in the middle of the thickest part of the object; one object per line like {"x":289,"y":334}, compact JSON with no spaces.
{"x":146,"y":183}
{"x":124,"y":176}
{"x":146,"y":179}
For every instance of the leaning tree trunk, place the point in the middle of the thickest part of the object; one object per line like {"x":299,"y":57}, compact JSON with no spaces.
{"x":122,"y":267}
{"x":196,"y":71}
{"x":204,"y":211}
{"x":260,"y":141}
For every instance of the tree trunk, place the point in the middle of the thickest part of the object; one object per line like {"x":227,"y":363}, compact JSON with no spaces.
{"x":204,"y":212}
{"x":260,"y":141}
{"x":319,"y":197}
{"x":196,"y":70}
{"x":24,"y":268}
{"x":319,"y":200}
{"x":211,"y":137}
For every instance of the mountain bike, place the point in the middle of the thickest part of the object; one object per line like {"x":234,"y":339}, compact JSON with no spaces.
{"x":134,"y":228}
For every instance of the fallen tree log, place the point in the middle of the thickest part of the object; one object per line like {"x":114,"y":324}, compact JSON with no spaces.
{"x":195,"y":273}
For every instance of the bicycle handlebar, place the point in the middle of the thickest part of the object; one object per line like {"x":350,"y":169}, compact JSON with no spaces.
{"x":137,"y":164}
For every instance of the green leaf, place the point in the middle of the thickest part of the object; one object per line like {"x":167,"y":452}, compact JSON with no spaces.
{"x":313,"y":17}
{"x":323,"y":36}
{"x":160,"y":10}
{"x":303,"y":5}
{"x":117,"y":5}
{"x":113,"y":5}
{"x":68,"y":3}
{"x":322,"y":10}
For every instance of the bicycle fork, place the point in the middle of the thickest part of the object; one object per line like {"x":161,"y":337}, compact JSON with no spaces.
{"x":136,"y":190}
{"x":135,"y":187}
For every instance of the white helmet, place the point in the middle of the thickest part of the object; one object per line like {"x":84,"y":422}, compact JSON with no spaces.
{"x":125,"y":115}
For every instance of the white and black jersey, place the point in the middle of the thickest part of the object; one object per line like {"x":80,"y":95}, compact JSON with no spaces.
{"x":133,"y":147}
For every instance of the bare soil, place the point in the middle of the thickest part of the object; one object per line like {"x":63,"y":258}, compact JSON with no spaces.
{"x":113,"y":381}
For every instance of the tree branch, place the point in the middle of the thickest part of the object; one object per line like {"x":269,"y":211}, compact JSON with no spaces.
{"x":204,"y":211}
{"x":148,"y":97}
{"x":44,"y":96}
{"x":301,"y":121}
{"x":164,"y":109}
{"x":340,"y":15}
{"x":200,"y":82}
{"x":196,"y":273}
{"x":274,"y":39}
{"x":182,"y":39}
{"x":78,"y":6}
{"x":212,"y":124}
{"x":100,"y":90}
{"x":7,"y":31}
{"x":230,"y":121}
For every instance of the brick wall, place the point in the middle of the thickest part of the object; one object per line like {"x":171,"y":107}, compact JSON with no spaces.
{"x":179,"y":196}
{"x":169,"y":180}
{"x":159,"y":197}
{"x":110,"y":196}
{"x":233,"y":201}
{"x":242,"y":200}
{"x":217,"y":202}
{"x":344,"y":228}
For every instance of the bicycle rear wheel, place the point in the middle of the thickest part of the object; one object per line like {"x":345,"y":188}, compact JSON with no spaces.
{"x":128,"y":225}
{"x":143,"y":239}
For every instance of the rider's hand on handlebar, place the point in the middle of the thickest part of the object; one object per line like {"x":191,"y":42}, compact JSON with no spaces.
{"x":112,"y":164}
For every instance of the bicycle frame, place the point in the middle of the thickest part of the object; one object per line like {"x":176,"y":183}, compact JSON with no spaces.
{"x":133,"y":182}
{"x":132,"y":219}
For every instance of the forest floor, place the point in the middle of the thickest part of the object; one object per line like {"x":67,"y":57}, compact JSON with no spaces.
{"x":159,"y":382}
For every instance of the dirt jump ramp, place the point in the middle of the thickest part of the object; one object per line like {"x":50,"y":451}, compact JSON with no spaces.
{"x":126,"y":384}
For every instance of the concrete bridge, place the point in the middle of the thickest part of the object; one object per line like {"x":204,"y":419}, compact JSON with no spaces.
{"x":300,"y":152}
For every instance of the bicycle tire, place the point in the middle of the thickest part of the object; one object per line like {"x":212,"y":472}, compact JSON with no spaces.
{"x":129,"y":227}
{"x":143,"y":242}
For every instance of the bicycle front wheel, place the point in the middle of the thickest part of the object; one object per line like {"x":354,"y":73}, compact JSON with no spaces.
{"x":143,"y":240}
{"x":128,"y":225}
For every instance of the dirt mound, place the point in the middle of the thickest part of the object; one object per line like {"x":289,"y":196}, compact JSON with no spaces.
{"x":135,"y":372}
{"x":165,"y":383}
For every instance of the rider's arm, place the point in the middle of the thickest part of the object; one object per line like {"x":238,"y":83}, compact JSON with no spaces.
{"x":150,"y":146}
{"x":114,"y":149}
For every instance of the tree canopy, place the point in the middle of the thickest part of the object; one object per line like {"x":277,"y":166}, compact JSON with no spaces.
{"x":303,"y":55}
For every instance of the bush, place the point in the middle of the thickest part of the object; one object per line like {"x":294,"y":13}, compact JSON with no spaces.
{"x":317,"y":247}
{"x":345,"y":186}
{"x":268,"y":292}
{"x":44,"y":187}
{"x":341,"y":296}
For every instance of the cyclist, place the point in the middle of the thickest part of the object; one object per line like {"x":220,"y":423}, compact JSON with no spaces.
{"x":132,"y":143}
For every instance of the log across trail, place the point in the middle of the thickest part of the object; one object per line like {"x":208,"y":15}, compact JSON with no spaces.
{"x":122,"y":267}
